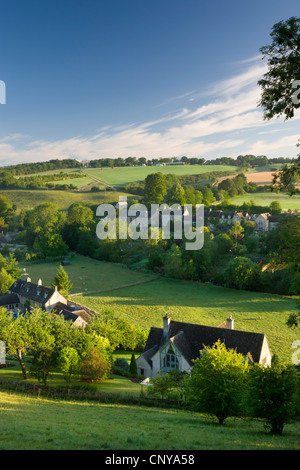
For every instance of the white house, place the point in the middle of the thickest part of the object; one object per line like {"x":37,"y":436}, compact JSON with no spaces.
{"x":177,"y":344}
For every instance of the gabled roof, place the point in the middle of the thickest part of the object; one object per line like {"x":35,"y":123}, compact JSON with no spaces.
{"x":70,"y":313}
{"x":35,"y":292}
{"x":190,"y":338}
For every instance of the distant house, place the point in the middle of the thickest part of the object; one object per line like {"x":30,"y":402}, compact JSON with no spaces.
{"x":262,"y":222}
{"x":265,"y":222}
{"x":35,"y":295}
{"x":79,"y":316}
{"x":177,"y":344}
{"x":10,"y":301}
{"x":228,"y":217}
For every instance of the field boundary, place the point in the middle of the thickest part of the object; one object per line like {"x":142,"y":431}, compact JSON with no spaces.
{"x":114,"y":288}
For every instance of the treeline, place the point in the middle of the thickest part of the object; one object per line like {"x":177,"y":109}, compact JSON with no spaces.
{"x":241,"y":161}
{"x":29,"y":168}
{"x":8,"y":181}
{"x":249,"y":161}
{"x":209,"y":177}
{"x":194,"y":189}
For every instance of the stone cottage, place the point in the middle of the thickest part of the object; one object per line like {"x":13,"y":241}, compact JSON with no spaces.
{"x":177,"y":344}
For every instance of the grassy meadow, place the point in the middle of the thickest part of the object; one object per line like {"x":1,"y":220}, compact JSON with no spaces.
{"x":146,"y":304}
{"x":264,"y":199}
{"x":28,"y":199}
{"x":86,"y":274}
{"x":30,"y":423}
{"x":124,"y":175}
{"x":143,"y":299}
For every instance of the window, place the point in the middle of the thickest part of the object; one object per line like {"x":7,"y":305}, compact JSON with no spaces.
{"x":169,"y":358}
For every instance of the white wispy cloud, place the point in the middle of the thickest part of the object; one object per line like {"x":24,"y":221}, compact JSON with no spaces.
{"x":222,"y":120}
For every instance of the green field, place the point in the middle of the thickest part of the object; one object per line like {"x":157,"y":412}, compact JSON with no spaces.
{"x":120,"y":176}
{"x":265,"y":199}
{"x":145,"y":305}
{"x":30,"y":423}
{"x":78,"y":182}
{"x":125,"y":175}
{"x":86,"y":274}
{"x":143,"y":300}
{"x":28,"y":199}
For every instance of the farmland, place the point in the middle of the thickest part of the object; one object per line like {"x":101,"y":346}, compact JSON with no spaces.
{"x":125,"y":175}
{"x":265,"y":198}
{"x":28,"y":199}
{"x":120,"y":176}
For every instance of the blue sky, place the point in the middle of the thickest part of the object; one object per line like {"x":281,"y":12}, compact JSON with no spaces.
{"x":114,"y":78}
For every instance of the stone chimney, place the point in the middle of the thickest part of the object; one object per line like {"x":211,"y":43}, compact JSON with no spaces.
{"x":39,"y":282}
{"x":230,"y":323}
{"x":167,"y":321}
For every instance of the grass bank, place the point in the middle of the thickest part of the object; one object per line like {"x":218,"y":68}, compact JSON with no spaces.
{"x":30,"y":423}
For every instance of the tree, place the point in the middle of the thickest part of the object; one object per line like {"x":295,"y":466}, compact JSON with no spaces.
{"x":14,"y":332}
{"x":236,"y":232}
{"x":50,"y":244}
{"x":218,"y":382}
{"x":273,"y":394}
{"x":6,"y":281}
{"x":162,"y":385}
{"x":5,"y":207}
{"x":43,"y":219}
{"x":224,"y":243}
{"x":176,"y":195}
{"x":155,"y":188}
{"x":43,"y":360}
{"x":94,"y":367}
{"x":283,"y":69}
{"x":62,"y":282}
{"x":275,"y":208}
{"x":68,"y":362}
{"x":133,"y":366}
{"x":280,"y":87}
{"x":208,"y":196}
{"x":80,"y":218}
{"x":284,"y":241}
{"x":241,"y":273}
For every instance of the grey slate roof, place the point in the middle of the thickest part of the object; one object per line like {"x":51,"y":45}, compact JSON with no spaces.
{"x":70,"y":313}
{"x":7,"y":299}
{"x":29,"y":290}
{"x":190,"y":338}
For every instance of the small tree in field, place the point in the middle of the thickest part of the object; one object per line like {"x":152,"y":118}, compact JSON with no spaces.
{"x":218,"y":382}
{"x":62,"y":282}
{"x":273,"y":394}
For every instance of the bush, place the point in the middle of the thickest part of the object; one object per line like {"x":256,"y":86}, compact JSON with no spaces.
{"x":94,"y":367}
{"x":121,"y":363}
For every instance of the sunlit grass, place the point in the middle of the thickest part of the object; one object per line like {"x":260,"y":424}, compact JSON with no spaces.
{"x":39,"y":423}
